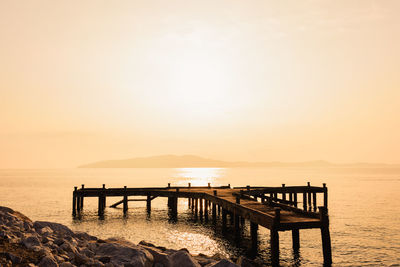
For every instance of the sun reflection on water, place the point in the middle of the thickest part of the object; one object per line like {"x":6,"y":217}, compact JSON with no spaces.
{"x":198,"y":176}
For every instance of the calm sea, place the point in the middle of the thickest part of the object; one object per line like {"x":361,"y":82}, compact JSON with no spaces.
{"x":364,"y":208}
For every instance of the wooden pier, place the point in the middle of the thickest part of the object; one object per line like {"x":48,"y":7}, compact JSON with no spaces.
{"x":285,"y":208}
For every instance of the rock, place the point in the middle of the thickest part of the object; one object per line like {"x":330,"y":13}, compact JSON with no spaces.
{"x":87,"y":252}
{"x":45,"y":231}
{"x":223,"y":263}
{"x":84,"y":236}
{"x":59,"y":241}
{"x":245,"y":262}
{"x":81,"y":259}
{"x":182,"y":258}
{"x":203,"y":260}
{"x":67,"y":247}
{"x":60,"y":229}
{"x":218,"y":257}
{"x":123,"y":254}
{"x":13,"y":258}
{"x":31,"y":241}
{"x":48,"y":261}
{"x":147,"y":244}
{"x":104,"y":259}
{"x":160,"y":257}
{"x":66,"y":264}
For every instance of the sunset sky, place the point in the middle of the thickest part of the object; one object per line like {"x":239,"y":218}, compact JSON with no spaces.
{"x":82,"y":81}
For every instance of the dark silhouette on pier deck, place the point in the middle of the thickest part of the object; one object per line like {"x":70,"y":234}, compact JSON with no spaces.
{"x":276,"y":208}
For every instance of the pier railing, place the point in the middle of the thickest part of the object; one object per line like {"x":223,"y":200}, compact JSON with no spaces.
{"x":300,"y":199}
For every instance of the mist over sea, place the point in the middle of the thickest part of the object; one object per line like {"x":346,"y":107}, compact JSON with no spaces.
{"x":364,"y":208}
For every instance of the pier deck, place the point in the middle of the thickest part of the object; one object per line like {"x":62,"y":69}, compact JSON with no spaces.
{"x":276,"y":208}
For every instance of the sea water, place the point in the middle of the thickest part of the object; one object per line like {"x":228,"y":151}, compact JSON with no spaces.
{"x":364,"y":209}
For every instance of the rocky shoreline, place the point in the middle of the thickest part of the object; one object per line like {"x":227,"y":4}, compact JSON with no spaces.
{"x":27,"y":243}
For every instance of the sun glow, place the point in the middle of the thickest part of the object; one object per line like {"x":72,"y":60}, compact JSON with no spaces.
{"x":198,"y":86}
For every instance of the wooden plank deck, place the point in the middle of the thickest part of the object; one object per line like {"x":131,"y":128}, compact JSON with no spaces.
{"x":242,"y":203}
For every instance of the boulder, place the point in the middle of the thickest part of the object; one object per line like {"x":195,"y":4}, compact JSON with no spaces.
{"x":182,"y":258}
{"x":160,"y":257}
{"x":123,"y":254}
{"x":60,"y":229}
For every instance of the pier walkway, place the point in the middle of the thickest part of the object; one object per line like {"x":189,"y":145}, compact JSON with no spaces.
{"x":285,"y":208}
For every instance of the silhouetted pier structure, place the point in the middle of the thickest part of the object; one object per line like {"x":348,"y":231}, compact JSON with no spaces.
{"x":285,"y":208}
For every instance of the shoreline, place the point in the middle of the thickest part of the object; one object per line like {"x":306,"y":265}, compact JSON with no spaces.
{"x":27,"y":243}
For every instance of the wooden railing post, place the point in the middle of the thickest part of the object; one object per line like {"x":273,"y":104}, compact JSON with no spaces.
{"x":283,"y":193}
{"x":309,"y":197}
{"x":325,"y":195}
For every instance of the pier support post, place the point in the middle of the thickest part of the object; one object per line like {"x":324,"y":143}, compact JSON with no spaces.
{"x":224,"y":220}
{"x":325,"y":235}
{"x":78,"y":204}
{"x":206,"y":210}
{"x":100,"y":210}
{"x":74,"y":201}
{"x":82,"y":198}
{"x":125,"y":202}
{"x":196,"y":207}
{"x":275,"y":238}
{"x":296,"y":239}
{"x":148,"y":204}
{"x":201,"y":208}
{"x":236,"y":220}
{"x":174,"y":207}
{"x":214,"y":213}
{"x":254,"y":237}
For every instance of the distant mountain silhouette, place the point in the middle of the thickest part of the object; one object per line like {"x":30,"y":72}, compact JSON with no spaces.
{"x":191,"y":161}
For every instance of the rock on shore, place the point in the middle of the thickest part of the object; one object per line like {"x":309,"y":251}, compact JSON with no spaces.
{"x":27,"y":243}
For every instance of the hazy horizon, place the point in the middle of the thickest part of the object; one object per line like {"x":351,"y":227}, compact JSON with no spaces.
{"x":288,"y":81}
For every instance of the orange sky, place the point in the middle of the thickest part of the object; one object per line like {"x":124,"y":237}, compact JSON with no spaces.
{"x":82,"y":81}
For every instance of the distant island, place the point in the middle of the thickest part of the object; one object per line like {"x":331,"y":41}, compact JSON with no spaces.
{"x":191,"y":161}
